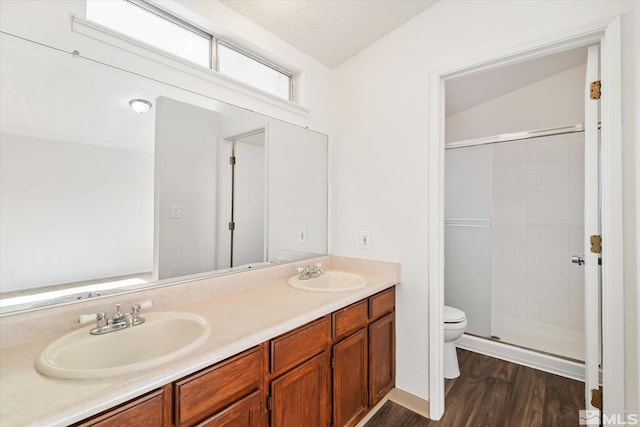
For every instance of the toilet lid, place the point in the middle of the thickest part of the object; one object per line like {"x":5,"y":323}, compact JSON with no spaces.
{"x":452,"y":314}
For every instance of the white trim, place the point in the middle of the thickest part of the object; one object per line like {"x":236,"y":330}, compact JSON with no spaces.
{"x":436,"y":246}
{"x":612,"y":214}
{"x":114,"y":38}
{"x":612,"y":279}
{"x":592,"y":301}
{"x":522,"y":356}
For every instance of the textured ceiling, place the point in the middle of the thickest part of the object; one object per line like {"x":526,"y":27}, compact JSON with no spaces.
{"x":331,"y":31}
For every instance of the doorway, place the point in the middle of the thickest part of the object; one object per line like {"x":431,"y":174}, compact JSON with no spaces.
{"x":514,"y":203}
{"x":246,"y":199}
{"x":608,"y":37}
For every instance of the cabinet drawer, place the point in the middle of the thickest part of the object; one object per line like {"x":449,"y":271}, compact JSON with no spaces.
{"x":297,"y":346}
{"x":201,"y":395}
{"x":349,"y":319}
{"x":147,"y":410}
{"x":382,"y":303}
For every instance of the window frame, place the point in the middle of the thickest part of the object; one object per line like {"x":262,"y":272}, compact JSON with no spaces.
{"x":214,"y":41}
{"x":256,"y":58}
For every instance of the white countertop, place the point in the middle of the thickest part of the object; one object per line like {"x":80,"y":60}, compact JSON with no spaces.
{"x":239,"y":320}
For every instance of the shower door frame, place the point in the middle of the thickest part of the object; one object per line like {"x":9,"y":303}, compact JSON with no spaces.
{"x":608,"y":36}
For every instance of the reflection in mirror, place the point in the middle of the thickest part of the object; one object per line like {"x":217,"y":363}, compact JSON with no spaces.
{"x":96,"y":198}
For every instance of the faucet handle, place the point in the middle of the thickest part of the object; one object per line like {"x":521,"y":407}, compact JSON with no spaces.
{"x":86,"y":318}
{"x":93,"y":317}
{"x":145,"y":304}
{"x":135,"y":308}
{"x":300,"y":269}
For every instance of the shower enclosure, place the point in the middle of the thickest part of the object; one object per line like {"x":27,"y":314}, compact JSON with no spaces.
{"x":514,"y":217}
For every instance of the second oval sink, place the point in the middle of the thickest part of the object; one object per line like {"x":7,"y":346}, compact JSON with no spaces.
{"x":331,"y":281}
{"x":165,"y":336}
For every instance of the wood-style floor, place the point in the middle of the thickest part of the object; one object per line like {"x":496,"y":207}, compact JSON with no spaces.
{"x":494,"y":393}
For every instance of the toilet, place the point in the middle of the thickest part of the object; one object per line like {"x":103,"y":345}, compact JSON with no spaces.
{"x":455,"y":322}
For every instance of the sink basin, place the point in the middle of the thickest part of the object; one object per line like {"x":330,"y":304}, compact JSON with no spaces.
{"x":332,"y":281}
{"x":165,"y":336}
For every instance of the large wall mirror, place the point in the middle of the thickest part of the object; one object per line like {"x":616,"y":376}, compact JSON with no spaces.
{"x":97,"y":198}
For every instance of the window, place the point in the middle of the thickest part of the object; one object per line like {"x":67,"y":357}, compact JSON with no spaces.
{"x":148,"y":24}
{"x":245,"y":68}
{"x":150,"y":27}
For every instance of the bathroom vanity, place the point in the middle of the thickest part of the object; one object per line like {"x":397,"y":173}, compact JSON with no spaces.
{"x":277,"y":356}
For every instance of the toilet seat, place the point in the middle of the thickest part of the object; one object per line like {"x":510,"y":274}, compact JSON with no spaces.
{"x":453,"y":315}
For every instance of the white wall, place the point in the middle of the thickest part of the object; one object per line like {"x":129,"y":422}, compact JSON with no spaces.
{"x":557,"y":101}
{"x":66,"y":208}
{"x":381,"y":130}
{"x":185,"y":180}
{"x":302,"y":183}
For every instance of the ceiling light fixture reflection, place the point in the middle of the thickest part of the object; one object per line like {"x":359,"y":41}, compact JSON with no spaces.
{"x":140,"y":105}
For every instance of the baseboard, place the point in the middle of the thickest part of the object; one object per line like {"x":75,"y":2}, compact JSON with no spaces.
{"x":410,"y":401}
{"x":403,"y":398}
{"x":522,"y":356}
{"x":373,"y":411}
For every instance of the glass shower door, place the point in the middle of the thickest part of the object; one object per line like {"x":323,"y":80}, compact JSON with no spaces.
{"x":467,"y":235}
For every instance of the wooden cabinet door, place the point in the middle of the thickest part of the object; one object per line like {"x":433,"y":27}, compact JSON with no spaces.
{"x":301,"y":397}
{"x":245,"y":413}
{"x":350,"y":389}
{"x":382,"y":354}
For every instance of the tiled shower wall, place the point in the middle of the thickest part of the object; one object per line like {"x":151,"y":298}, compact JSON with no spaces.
{"x":538,"y":221}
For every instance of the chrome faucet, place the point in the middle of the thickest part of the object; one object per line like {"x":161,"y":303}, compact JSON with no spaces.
{"x":310,"y":272}
{"x":119,"y":320}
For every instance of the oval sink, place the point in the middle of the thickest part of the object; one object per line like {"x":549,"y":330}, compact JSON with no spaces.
{"x":331,"y":281}
{"x":165,"y":336}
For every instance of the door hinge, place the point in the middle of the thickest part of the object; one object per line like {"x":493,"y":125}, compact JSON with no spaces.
{"x":596,"y":398}
{"x":232,"y":160}
{"x":594,"y":89}
{"x":333,"y":362}
{"x":596,"y":244}
{"x":269,"y":402}
{"x":232,"y":225}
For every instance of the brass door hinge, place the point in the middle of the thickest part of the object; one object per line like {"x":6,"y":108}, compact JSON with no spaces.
{"x":596,"y":398}
{"x":232,"y":160}
{"x":594,"y":89}
{"x":596,"y":244}
{"x":269,"y":402}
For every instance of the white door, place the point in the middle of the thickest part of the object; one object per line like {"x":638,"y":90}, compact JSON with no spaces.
{"x":591,"y":228}
{"x":248,"y":203}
